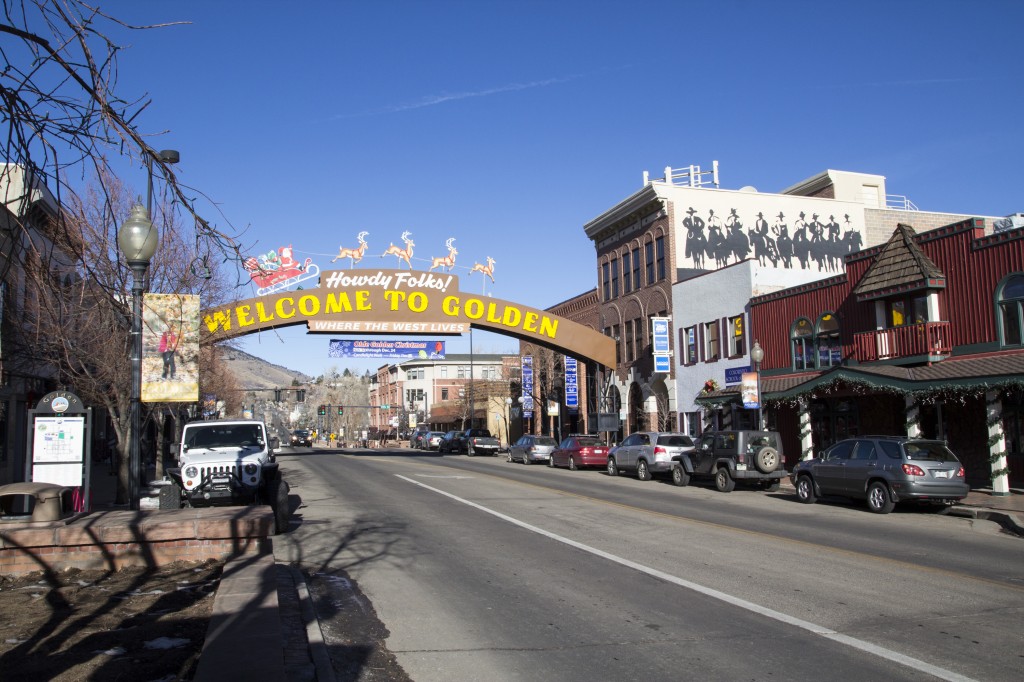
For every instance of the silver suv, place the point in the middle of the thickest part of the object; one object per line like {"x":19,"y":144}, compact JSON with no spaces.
{"x":884,"y":470}
{"x":648,"y":453}
{"x":227,"y":462}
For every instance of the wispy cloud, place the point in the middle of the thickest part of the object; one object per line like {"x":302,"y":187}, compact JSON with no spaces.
{"x":434,"y":100}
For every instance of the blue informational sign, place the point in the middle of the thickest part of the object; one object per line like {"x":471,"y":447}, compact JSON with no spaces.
{"x":662,"y":364}
{"x":527,"y":386}
{"x":660,"y":335}
{"x":734,"y":375}
{"x":572,"y":395}
{"x":433,"y":350}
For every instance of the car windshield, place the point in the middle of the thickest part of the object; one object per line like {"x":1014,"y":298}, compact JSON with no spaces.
{"x":223,"y":436}
{"x":588,"y":442}
{"x":675,"y":440}
{"x":544,"y":441}
{"x":301,"y":433}
{"x":936,"y":452}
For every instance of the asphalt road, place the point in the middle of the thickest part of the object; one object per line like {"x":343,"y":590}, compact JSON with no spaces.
{"x":482,"y":569}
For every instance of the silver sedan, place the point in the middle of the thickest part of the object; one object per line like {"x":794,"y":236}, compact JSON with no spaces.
{"x":530,"y":449}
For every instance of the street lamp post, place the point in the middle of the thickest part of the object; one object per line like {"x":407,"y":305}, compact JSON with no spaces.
{"x":137,"y":240}
{"x":508,"y":420}
{"x":757,"y":355}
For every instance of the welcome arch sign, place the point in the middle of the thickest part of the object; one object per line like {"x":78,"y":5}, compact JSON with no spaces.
{"x":401,"y":302}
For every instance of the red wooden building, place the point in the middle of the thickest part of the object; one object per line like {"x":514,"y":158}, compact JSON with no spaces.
{"x":922,"y":335}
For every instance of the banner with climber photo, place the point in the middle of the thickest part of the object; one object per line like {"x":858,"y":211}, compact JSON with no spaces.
{"x":170,"y":348}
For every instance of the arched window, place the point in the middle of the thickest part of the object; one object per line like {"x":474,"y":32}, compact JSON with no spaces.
{"x":830,"y":351}
{"x":1010,"y":298}
{"x":802,"y":344}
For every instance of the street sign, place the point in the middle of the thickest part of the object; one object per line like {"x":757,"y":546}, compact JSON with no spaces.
{"x":662,"y":363}
{"x":571,"y":386}
{"x":660,"y":335}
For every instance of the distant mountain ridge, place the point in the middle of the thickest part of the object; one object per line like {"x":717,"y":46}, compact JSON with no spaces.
{"x":253,"y":372}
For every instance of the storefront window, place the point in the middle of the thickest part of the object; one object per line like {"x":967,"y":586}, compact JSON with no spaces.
{"x":830,"y":351}
{"x":802,"y":340}
{"x":1011,"y":310}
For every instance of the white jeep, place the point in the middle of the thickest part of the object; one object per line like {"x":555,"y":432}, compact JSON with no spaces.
{"x":227,"y":462}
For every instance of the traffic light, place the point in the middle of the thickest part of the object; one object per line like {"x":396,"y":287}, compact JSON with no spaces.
{"x":277,"y":395}
{"x":341,"y":410}
{"x":322,"y":410}
{"x":300,"y":395}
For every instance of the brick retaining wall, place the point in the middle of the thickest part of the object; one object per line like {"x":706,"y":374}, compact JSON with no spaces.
{"x":112,"y":540}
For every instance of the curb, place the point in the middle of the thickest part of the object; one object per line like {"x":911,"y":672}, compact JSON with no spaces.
{"x":1010,"y":522}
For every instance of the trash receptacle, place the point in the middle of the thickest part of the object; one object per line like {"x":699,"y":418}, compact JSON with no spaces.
{"x":35,"y":502}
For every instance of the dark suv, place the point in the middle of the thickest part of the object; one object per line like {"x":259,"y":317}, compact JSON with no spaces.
{"x":884,"y":470}
{"x":731,"y":456}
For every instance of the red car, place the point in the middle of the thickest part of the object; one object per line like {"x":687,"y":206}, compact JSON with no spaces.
{"x":579,"y":451}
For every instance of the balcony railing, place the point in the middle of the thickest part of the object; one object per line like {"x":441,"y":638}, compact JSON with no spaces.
{"x":912,"y":340}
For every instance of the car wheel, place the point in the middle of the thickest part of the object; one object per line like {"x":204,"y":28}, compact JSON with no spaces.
{"x":766,"y":460}
{"x":572,"y":464}
{"x":170,"y":496}
{"x":805,"y":490}
{"x":642,"y":471}
{"x":613,"y":469}
{"x":879,"y":500}
{"x":276,"y":494}
{"x":526,"y":458}
{"x":509,"y":458}
{"x":680,"y":477}
{"x":551,"y":462}
{"x":723,"y":481}
{"x":470,"y":451}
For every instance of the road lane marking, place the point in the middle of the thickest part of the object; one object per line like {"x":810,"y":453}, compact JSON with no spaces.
{"x":813,"y":628}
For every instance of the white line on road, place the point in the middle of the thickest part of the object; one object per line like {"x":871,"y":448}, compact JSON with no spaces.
{"x":814,"y":628}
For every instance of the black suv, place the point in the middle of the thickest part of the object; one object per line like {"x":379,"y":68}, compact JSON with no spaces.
{"x":731,"y":456}
{"x":884,"y":470}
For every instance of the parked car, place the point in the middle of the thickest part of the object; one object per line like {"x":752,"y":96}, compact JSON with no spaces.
{"x":579,"y":451}
{"x":884,"y":470}
{"x":731,"y":456}
{"x":450,"y":442}
{"x":302,"y":437}
{"x":478,"y":442}
{"x":432,"y":440}
{"x":648,"y":453}
{"x":530,"y":449}
{"x":417,"y":438}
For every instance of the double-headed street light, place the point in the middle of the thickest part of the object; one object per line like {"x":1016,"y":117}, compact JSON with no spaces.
{"x":757,"y":355}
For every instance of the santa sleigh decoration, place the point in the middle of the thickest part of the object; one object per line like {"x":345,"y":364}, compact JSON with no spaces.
{"x":276,"y":271}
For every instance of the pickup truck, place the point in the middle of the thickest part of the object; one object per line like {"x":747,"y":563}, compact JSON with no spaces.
{"x":478,"y":442}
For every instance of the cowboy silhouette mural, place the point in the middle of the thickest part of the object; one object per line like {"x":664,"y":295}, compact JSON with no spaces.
{"x":814,"y":243}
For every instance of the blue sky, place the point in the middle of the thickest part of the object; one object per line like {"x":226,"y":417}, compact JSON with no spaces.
{"x":508,"y":125}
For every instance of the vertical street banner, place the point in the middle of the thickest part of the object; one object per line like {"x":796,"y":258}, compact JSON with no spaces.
{"x":749,"y":391}
{"x":660,"y":333}
{"x":572,"y":390}
{"x":527,"y":386}
{"x":170,"y":348}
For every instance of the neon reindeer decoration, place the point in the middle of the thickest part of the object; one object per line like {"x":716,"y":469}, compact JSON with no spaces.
{"x":355,"y":254}
{"x":486,"y":269}
{"x":402,"y":254}
{"x":449,"y":260}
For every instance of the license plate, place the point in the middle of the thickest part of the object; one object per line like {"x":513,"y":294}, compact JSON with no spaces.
{"x":941,"y":474}
{"x":741,"y":467}
{"x":220,"y":480}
